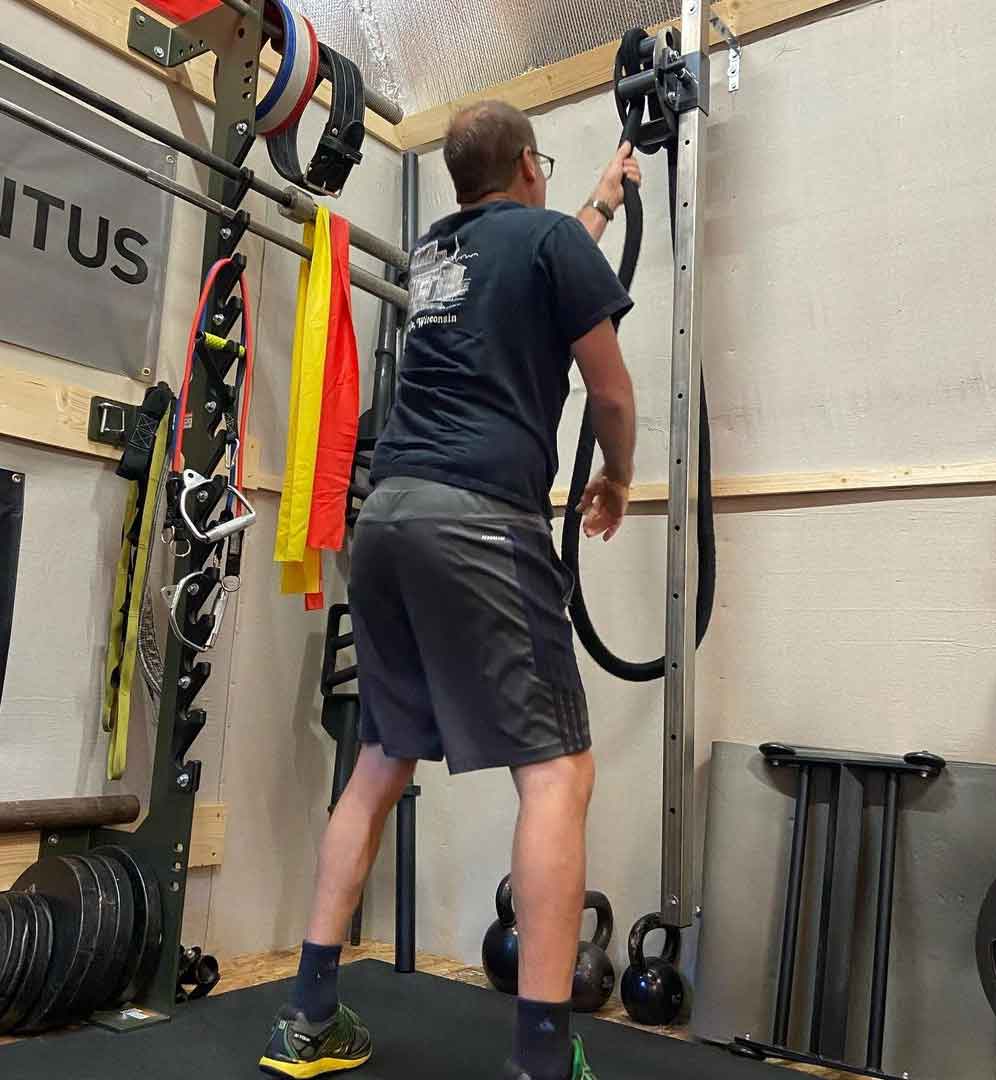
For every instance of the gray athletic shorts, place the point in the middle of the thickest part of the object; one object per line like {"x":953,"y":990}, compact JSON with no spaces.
{"x":464,"y":647}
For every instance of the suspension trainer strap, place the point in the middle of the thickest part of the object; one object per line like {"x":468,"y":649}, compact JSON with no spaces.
{"x":143,"y":463}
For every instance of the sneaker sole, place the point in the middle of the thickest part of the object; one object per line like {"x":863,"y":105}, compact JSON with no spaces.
{"x":308,"y":1070}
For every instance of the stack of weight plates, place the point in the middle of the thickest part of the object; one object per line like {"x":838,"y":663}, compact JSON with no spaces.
{"x":78,"y":933}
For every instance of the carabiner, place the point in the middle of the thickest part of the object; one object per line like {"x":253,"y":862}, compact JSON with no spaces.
{"x":173,"y":595}
{"x":192,"y":481}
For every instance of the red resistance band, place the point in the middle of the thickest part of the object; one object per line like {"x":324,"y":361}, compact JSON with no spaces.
{"x":181,"y":412}
{"x":340,"y":411}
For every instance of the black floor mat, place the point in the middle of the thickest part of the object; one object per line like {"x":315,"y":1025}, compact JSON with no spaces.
{"x":423,"y":1027}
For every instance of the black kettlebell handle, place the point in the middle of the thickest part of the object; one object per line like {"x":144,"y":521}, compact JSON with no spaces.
{"x":599,"y":903}
{"x":638,"y":935}
{"x":503,"y":902}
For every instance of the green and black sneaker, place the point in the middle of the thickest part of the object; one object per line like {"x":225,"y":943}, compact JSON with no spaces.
{"x":580,"y":1069}
{"x":303,"y":1050}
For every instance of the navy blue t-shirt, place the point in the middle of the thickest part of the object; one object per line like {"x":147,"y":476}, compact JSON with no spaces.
{"x":498,"y":296}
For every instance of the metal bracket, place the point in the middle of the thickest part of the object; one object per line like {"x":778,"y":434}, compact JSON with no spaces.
{"x":170,"y":46}
{"x":167,"y":46}
{"x":733,"y":44}
{"x":686,"y":83}
{"x":111,"y":422}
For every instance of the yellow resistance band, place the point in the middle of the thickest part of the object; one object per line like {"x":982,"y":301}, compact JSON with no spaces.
{"x":302,"y":566}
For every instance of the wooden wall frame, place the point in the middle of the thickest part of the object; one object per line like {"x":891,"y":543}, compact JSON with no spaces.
{"x":18,"y":851}
{"x":49,"y":412}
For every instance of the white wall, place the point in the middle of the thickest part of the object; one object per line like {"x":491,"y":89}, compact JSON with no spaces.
{"x":849,"y":229}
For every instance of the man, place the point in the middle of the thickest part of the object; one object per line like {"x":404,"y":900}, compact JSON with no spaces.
{"x":458,"y":599}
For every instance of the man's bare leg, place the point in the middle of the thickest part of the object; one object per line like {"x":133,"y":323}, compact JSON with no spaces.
{"x":548,"y":879}
{"x":349,"y":848}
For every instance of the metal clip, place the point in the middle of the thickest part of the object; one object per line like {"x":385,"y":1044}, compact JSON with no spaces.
{"x":173,"y":595}
{"x":107,"y":410}
{"x":191,"y":482}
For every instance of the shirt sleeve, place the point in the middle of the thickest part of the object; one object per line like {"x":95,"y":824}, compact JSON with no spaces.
{"x":585,"y":288}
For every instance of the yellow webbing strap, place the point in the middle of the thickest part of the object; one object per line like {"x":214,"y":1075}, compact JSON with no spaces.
{"x":302,"y":566}
{"x":122,"y":647}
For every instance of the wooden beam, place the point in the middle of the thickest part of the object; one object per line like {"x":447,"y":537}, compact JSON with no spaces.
{"x":106,"y":22}
{"x":51,"y":412}
{"x":592,"y":69}
{"x":746,"y":487}
{"x":18,"y":851}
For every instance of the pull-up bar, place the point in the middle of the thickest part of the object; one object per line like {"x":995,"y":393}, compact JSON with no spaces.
{"x":362,"y":279}
{"x":289,"y":198}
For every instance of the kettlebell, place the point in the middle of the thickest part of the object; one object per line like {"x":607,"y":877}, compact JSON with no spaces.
{"x":652,"y":990}
{"x":594,"y":975}
{"x":500,"y":951}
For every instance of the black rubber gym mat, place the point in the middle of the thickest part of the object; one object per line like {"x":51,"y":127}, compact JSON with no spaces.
{"x":424,"y":1028}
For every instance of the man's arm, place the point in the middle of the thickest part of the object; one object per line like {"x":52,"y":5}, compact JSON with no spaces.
{"x":609,"y":191}
{"x":613,"y":415}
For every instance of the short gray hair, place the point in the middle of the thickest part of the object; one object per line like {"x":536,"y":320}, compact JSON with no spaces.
{"x":482,"y":148}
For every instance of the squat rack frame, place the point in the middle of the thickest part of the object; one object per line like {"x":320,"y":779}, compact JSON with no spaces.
{"x":235,"y":34}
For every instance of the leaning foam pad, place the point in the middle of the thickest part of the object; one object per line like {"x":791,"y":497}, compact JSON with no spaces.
{"x":423,"y":1027}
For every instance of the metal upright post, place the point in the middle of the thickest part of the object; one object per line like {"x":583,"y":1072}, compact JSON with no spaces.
{"x":677,"y":862}
{"x":883,"y":922}
{"x":793,"y":900}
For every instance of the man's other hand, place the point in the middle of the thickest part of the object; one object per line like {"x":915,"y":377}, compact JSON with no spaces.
{"x":603,"y":505}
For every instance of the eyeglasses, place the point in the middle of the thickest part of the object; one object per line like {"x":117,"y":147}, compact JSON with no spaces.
{"x":544,"y":161}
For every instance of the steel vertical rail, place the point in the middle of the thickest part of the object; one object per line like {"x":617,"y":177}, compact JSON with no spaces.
{"x":678,"y":855}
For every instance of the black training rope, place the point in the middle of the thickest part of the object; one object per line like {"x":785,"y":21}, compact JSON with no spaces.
{"x":628,"y":62}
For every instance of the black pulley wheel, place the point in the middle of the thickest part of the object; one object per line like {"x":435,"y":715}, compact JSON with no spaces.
{"x":113,"y":939}
{"x":14,"y":916}
{"x":70,"y":888}
{"x":35,"y":958}
{"x":147,"y":925}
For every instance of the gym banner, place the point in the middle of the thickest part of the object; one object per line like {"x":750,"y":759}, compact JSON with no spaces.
{"x":11,"y":513}
{"x":83,"y":246}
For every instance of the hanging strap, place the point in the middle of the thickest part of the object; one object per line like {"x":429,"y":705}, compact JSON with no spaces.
{"x":129,"y":588}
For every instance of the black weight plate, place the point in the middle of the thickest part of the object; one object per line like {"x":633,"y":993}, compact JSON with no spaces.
{"x":71,"y":890}
{"x":15,"y":912}
{"x":37,"y":956}
{"x":121,"y":948}
{"x":94,"y":988}
{"x":9,"y":956}
{"x":147,"y":932}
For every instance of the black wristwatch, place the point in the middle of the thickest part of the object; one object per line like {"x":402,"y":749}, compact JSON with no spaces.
{"x":603,"y":208}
